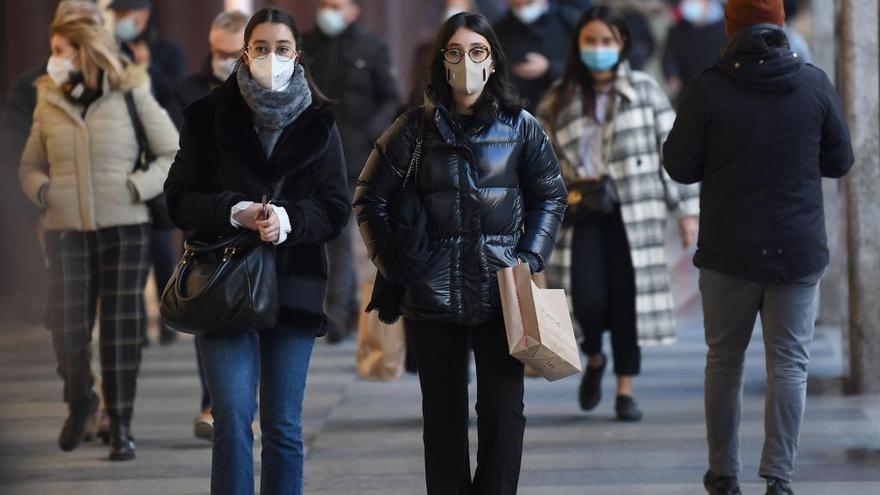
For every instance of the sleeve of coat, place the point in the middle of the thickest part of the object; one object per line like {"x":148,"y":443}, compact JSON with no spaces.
{"x":384,"y":93}
{"x":33,"y":170}
{"x":682,"y":199}
{"x":378,"y":183}
{"x":544,"y":194}
{"x":684,"y":153}
{"x":162,"y":138}
{"x":321,"y":216}
{"x":192,"y":206}
{"x":836,"y":155}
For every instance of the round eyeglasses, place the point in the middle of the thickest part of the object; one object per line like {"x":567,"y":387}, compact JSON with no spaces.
{"x":260,"y":51}
{"x":477,"y":54}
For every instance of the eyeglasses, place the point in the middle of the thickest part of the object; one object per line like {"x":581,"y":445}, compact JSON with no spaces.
{"x":477,"y":54}
{"x":261,"y":51}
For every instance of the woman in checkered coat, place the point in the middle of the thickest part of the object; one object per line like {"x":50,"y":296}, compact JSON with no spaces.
{"x":607,"y":124}
{"x":78,"y":167}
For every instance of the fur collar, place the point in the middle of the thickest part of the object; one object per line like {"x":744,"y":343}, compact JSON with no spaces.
{"x":300,"y":143}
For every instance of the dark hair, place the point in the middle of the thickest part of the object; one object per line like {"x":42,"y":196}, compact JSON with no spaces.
{"x":276,"y":16}
{"x":576,"y":74}
{"x":499,"y":89}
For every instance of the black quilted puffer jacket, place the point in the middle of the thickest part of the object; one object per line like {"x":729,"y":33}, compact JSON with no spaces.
{"x":492,"y":195}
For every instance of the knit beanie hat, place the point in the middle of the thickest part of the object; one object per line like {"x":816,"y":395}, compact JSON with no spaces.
{"x":740,"y":14}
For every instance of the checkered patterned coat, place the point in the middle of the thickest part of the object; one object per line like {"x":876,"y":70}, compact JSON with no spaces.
{"x":639,"y":119}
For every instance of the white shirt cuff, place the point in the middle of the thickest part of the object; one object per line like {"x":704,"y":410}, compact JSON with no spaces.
{"x":239,"y":207}
{"x":284,"y":219}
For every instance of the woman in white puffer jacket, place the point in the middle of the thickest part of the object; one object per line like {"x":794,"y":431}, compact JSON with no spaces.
{"x":79,"y":166}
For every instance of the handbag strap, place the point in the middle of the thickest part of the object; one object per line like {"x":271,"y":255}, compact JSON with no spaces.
{"x":145,"y":156}
{"x":415,"y":161}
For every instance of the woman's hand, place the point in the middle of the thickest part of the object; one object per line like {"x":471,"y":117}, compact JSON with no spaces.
{"x":248,"y":218}
{"x":270,"y":228}
{"x":688,"y":227}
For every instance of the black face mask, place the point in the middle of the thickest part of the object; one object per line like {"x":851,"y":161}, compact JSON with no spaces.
{"x":81,"y":94}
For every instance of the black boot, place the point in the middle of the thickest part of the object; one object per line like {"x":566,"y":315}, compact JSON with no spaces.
{"x":590,"y":391}
{"x":776,"y":486}
{"x":721,"y":485}
{"x":627,"y":409}
{"x":121,"y":442}
{"x":74,"y":429}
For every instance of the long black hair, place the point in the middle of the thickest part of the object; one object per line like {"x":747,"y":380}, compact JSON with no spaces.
{"x":276,"y":16}
{"x":499,"y":89}
{"x":576,"y":74}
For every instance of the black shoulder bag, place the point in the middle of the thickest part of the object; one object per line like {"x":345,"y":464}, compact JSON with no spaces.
{"x":158,"y":208}
{"x":224,"y":288}
{"x":388,"y":294}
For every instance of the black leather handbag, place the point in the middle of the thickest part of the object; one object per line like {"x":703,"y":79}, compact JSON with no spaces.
{"x":224,"y":288}
{"x":589,"y":198}
{"x":158,"y":209}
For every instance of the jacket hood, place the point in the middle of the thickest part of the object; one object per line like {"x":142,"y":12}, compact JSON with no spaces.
{"x":761,"y":59}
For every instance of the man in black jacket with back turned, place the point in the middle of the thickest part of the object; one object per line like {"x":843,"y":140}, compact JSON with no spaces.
{"x":759,"y":129}
{"x":353,"y":67}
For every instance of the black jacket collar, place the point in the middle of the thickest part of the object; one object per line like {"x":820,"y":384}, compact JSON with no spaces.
{"x":760,"y":58}
{"x":300,"y":144}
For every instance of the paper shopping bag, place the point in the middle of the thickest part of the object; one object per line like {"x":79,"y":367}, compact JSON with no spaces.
{"x":538,"y":324}
{"x":380,"y":347}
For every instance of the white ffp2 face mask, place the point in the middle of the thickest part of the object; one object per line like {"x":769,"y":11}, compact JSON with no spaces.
{"x":467,"y":75}
{"x":531,"y":12}
{"x":59,"y":69}
{"x":331,"y":22}
{"x":272,"y":72}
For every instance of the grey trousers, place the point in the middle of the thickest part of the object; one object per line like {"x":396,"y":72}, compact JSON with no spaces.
{"x":342,"y":303}
{"x":731,"y":307}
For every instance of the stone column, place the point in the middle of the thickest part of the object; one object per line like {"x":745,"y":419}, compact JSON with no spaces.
{"x":861,"y":85}
{"x":833,"y":290}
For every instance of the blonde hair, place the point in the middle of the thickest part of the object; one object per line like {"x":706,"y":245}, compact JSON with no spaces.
{"x":78,"y":8}
{"x":96,"y":48}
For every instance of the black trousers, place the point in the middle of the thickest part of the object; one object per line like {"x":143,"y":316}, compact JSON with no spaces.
{"x":603,"y":290}
{"x":442,"y":356}
{"x":111,"y":266}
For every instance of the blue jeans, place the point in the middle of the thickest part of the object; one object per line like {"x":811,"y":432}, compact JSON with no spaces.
{"x":277,"y":360}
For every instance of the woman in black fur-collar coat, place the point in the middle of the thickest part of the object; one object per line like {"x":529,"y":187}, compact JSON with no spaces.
{"x":265,"y":123}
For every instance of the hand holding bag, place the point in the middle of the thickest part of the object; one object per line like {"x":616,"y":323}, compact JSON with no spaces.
{"x":225,"y":288}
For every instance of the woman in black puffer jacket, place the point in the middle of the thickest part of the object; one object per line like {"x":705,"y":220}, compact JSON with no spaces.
{"x":489,"y":193}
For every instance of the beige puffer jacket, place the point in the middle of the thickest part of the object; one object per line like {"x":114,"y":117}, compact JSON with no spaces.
{"x":88,"y":162}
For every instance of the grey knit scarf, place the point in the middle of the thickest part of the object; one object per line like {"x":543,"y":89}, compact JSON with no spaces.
{"x":272,"y":111}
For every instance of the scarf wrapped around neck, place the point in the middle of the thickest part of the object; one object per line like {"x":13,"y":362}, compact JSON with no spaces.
{"x":272,"y":111}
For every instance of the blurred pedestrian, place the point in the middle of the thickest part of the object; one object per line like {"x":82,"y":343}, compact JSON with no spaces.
{"x":607,"y":124}
{"x":22,"y":275}
{"x":97,"y":222}
{"x":797,"y":42}
{"x":693,"y":43}
{"x":484,"y":193}
{"x":226,"y":41}
{"x":535,"y":34}
{"x":268,"y":123}
{"x":760,"y":130}
{"x":354,"y":67}
{"x":140,"y":41}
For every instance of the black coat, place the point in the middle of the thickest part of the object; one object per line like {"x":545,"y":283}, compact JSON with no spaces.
{"x":691,"y":49}
{"x":222,"y":162}
{"x":192,"y":88}
{"x":760,"y":130}
{"x":489,"y":193}
{"x":167,"y":66}
{"x":550,"y":36}
{"x":355,"y":69}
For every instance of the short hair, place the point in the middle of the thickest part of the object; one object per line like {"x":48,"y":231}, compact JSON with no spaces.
{"x":78,"y":8}
{"x":233,"y":21}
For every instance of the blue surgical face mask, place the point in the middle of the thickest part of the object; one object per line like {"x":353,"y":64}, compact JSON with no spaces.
{"x":126,"y":29}
{"x":693,"y":11}
{"x":600,"y":59}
